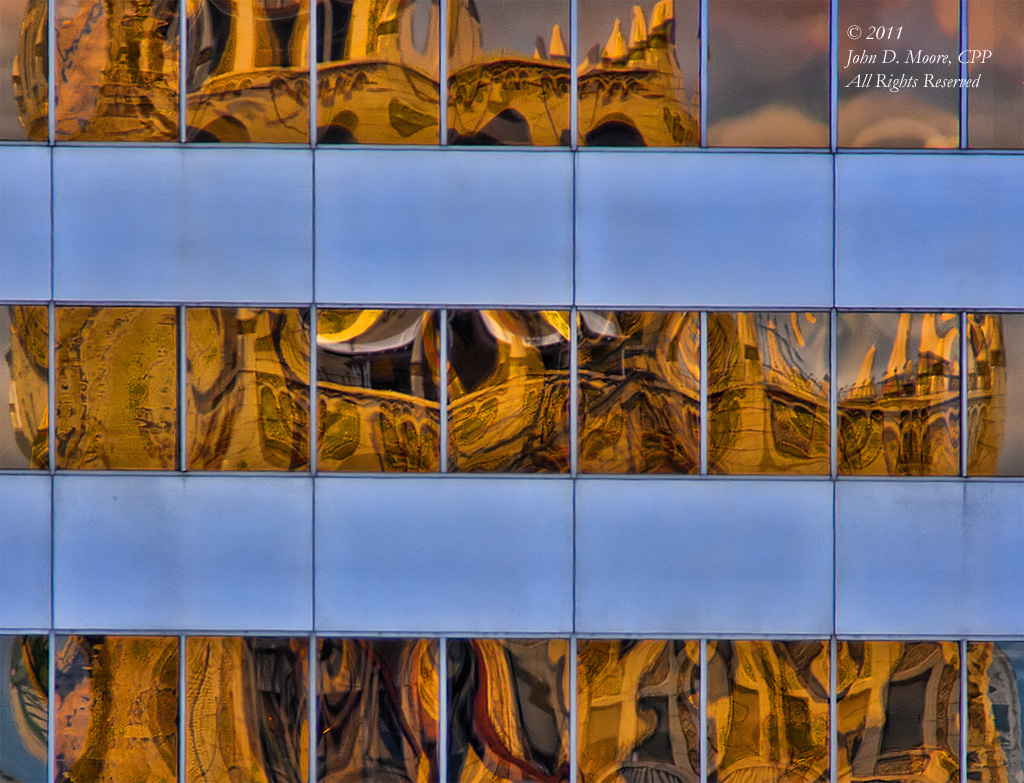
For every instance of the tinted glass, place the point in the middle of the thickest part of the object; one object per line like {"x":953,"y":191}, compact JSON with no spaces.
{"x":377,"y":710}
{"x":248,"y":389}
{"x":898,"y":711}
{"x":246,"y":714}
{"x":508,"y":710}
{"x":639,"y":396}
{"x":508,"y":72}
{"x":995,"y":102}
{"x":768,"y":390}
{"x":24,"y":696}
{"x":117,"y":388}
{"x":639,"y":80}
{"x":508,"y":383}
{"x":896,"y":58}
{"x":378,"y":390}
{"x":995,"y":394}
{"x":768,"y":73}
{"x":248,"y":71}
{"x":995,"y":693}
{"x":899,"y":393}
{"x":377,"y":80}
{"x":23,"y":386}
{"x":117,"y":70}
{"x":23,"y":63}
{"x":768,"y":708}
{"x":117,"y":709}
{"x":638,"y":710}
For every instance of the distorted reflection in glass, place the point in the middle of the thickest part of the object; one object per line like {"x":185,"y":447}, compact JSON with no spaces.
{"x":508,"y":72}
{"x":768,"y":393}
{"x":995,"y":104}
{"x":639,"y":393}
{"x":898,"y":711}
{"x":508,"y":383}
{"x":377,"y":710}
{"x":246,"y":713}
{"x":885,"y":96}
{"x":638,"y":710}
{"x":248,"y":389}
{"x":995,"y":394}
{"x":23,"y":69}
{"x":24,"y":696}
{"x":248,"y":71}
{"x":508,"y":710}
{"x":23,"y":386}
{"x":116,"y":709}
{"x":377,"y":81}
{"x":117,"y":70}
{"x":638,"y":74}
{"x":995,"y":695}
{"x":899,"y":393}
{"x":378,"y":390}
{"x":768,"y":73}
{"x":768,"y":711}
{"x":117,"y":388}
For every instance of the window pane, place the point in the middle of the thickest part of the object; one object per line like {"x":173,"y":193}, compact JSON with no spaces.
{"x":23,"y":61}
{"x":508,"y":382}
{"x":117,"y":70}
{"x":117,"y":388}
{"x":246,"y":714}
{"x":508,"y":72}
{"x":639,"y":394}
{"x":508,"y":710}
{"x":899,"y":393}
{"x":117,"y":709}
{"x":377,"y":79}
{"x":248,"y":71}
{"x":378,"y":390}
{"x":768,"y":388}
{"x":377,"y":710}
{"x":768,"y":708}
{"x":768,"y":73}
{"x":638,"y":710}
{"x":891,"y":91}
{"x":639,"y":81}
{"x":248,"y":389}
{"x":23,"y":386}
{"x":995,"y":105}
{"x":995,"y":692}
{"x":995,"y":394}
{"x":898,"y":711}
{"x":24,"y":696}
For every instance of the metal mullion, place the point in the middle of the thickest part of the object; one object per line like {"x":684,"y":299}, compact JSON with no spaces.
{"x":442,"y":391}
{"x":703,"y":710}
{"x":314,"y":409}
{"x":182,"y":705}
{"x":574,"y":109}
{"x":704,"y":72}
{"x":833,"y":397}
{"x":182,"y":70}
{"x":314,"y":88}
{"x":51,"y":72}
{"x":183,"y":388}
{"x":442,"y":73}
{"x":442,"y":710}
{"x":964,"y":345}
{"x":574,"y":388}
{"x":51,"y":711}
{"x":311,"y":706}
{"x":702,"y":385}
{"x":833,"y":709}
{"x":573,"y":713}
{"x":833,"y":82}
{"x":963,"y":711}
{"x":963,"y":75}
{"x":51,"y":387}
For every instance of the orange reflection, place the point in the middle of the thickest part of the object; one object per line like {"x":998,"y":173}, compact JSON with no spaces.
{"x":508,"y":383}
{"x":898,"y":712}
{"x":498,"y":92}
{"x":24,"y":701}
{"x":639,"y":395}
{"x":23,"y":58}
{"x":248,"y":70}
{"x":117,"y":388}
{"x":378,"y":710}
{"x":995,"y":394}
{"x":508,"y":710}
{"x":995,"y":104}
{"x":768,"y":393}
{"x":23,"y":386}
{"x":638,"y":711}
{"x":117,"y":709}
{"x":899,"y":393}
{"x":631,"y":87}
{"x":246,"y":715}
{"x":378,"y":390}
{"x":248,"y":389}
{"x":768,"y":711}
{"x":995,"y":720}
{"x":117,"y":70}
